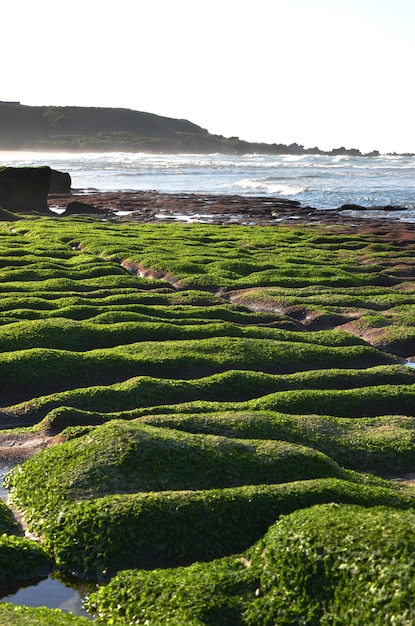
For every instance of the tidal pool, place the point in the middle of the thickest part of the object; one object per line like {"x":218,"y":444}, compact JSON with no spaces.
{"x":52,"y":593}
{"x":49,"y":592}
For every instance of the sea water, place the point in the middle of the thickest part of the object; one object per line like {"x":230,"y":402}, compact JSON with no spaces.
{"x":49,"y":592}
{"x":320,"y":181}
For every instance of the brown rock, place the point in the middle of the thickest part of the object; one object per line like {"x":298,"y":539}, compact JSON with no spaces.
{"x":80,"y":208}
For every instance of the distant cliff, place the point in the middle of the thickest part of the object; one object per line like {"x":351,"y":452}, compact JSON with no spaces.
{"x":106,"y":129}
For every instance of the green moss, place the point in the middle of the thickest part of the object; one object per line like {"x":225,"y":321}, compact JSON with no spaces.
{"x":126,"y":457}
{"x":322,"y":565}
{"x":345,"y":403}
{"x":383,"y":444}
{"x":365,"y":402}
{"x":195,"y":596}
{"x":8,"y":524}
{"x":336,"y":563}
{"x":77,"y":335}
{"x":87,"y":497}
{"x":107,"y":402}
{"x":197,"y":258}
{"x":21,"y":559}
{"x":15,"y":615}
{"x":31,"y":372}
{"x":245,"y":402}
{"x":99,"y":536}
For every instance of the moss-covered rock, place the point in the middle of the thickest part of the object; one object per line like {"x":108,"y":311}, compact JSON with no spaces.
{"x":15,"y":615}
{"x":95,"y":538}
{"x":127,"y":457}
{"x":21,"y":559}
{"x":8,"y":524}
{"x":321,"y":565}
{"x":382,"y":444}
{"x":334,"y":563}
{"x":126,"y":494}
{"x":212,"y":379}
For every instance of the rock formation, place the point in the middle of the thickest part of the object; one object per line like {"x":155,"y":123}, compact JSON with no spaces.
{"x":60,"y":183}
{"x":27,"y":188}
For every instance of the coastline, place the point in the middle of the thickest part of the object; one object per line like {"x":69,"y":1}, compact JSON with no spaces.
{"x":17,"y":445}
{"x":154,"y":206}
{"x":163,"y":381}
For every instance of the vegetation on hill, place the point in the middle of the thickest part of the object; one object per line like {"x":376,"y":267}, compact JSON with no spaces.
{"x":106,"y":129}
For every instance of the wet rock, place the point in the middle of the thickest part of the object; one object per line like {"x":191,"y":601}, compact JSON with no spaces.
{"x":25,"y":188}
{"x":80,"y":208}
{"x":60,"y":183}
{"x":390,"y":207}
{"x":352,"y":207}
{"x":358,"y":207}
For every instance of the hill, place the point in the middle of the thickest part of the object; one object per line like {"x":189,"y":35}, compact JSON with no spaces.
{"x":108,"y":129}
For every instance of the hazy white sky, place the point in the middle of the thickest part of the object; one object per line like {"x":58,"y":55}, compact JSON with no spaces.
{"x":329,"y":73}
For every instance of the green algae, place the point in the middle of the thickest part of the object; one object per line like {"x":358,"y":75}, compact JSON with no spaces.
{"x":76,"y":335}
{"x":128,"y":495}
{"x":127,"y":457}
{"x":96,"y":537}
{"x":231,"y":386}
{"x":321,"y":565}
{"x":241,"y":257}
{"x":355,"y":403}
{"x":383,"y":444}
{"x":376,"y":543}
{"x":21,"y":559}
{"x":31,"y":372}
{"x":8,"y":524}
{"x":244,"y":356}
{"x":15,"y":615}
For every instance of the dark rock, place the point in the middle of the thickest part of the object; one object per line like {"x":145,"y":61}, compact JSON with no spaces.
{"x":60,"y":183}
{"x":7,"y":216}
{"x":358,"y":207}
{"x":390,"y":207}
{"x":80,"y":208}
{"x":25,"y":188}
{"x":352,"y":207}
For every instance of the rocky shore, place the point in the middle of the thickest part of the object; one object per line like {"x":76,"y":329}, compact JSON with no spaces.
{"x":188,"y":404}
{"x":153,"y":206}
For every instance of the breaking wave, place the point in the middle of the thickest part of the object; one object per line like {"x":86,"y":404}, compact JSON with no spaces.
{"x":320,"y":181}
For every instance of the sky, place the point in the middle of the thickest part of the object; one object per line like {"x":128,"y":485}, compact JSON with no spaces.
{"x":326,"y":73}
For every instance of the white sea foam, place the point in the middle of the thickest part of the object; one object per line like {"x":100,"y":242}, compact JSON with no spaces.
{"x":315,"y":180}
{"x":269,"y":187}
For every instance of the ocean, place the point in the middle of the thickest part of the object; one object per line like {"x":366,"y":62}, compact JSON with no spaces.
{"x":323,"y":182}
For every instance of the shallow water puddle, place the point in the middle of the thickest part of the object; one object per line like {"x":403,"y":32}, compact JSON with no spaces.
{"x":49,"y":592}
{"x":3,"y":491}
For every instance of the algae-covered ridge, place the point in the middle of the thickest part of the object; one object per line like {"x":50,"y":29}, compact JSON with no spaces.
{"x":220,"y":411}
